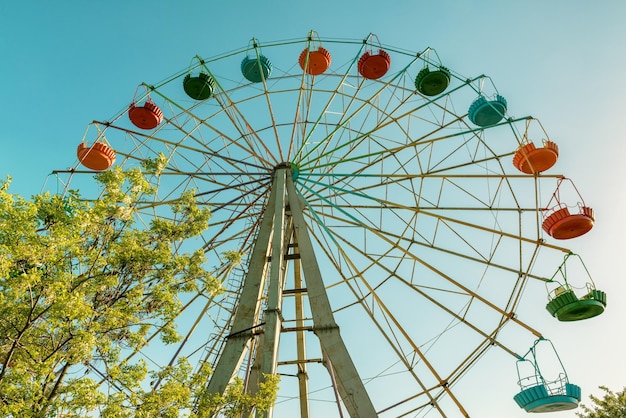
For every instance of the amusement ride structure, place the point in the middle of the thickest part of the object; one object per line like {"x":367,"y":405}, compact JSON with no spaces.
{"x":388,"y":213}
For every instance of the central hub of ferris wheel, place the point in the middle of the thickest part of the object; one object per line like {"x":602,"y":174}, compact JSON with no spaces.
{"x":295,"y":170}
{"x":283,"y":241}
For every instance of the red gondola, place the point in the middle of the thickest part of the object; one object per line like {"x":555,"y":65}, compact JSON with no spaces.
{"x":146,"y":116}
{"x":373,"y":66}
{"x":560,"y":223}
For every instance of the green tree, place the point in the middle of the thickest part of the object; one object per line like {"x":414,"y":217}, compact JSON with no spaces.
{"x":81,"y":283}
{"x":235,"y":402}
{"x":611,"y":405}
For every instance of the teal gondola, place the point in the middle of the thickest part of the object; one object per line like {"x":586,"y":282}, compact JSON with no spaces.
{"x":256,"y":69}
{"x":483,"y":112}
{"x":539,"y":394}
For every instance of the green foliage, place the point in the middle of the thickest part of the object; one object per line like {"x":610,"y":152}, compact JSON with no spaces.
{"x":155,"y":165}
{"x":611,"y":405}
{"x":237,"y":403}
{"x":82,"y":283}
{"x":233,"y":257}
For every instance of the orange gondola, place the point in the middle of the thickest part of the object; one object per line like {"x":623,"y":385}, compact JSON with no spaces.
{"x":530,"y":160}
{"x":315,"y":62}
{"x":98,"y":156}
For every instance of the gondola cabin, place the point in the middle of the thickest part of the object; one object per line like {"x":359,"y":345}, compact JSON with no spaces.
{"x":484,"y":112}
{"x":198,"y":87}
{"x":256,"y":69}
{"x":147,"y":116}
{"x":432,"y":82}
{"x":315,"y":62}
{"x":574,"y":296}
{"x":98,"y":157}
{"x":374,"y":66}
{"x":541,"y":394}
{"x":531,"y":160}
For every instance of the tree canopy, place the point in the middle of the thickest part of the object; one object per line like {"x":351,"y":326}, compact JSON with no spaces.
{"x":611,"y":405}
{"x":81,"y":285}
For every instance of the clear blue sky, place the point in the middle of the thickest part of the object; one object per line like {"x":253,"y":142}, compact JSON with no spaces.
{"x":66,"y":63}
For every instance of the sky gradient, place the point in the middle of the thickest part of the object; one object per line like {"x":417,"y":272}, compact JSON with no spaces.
{"x":67,"y":63}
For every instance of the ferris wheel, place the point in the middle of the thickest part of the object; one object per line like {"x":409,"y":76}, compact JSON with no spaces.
{"x":387,"y":211}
